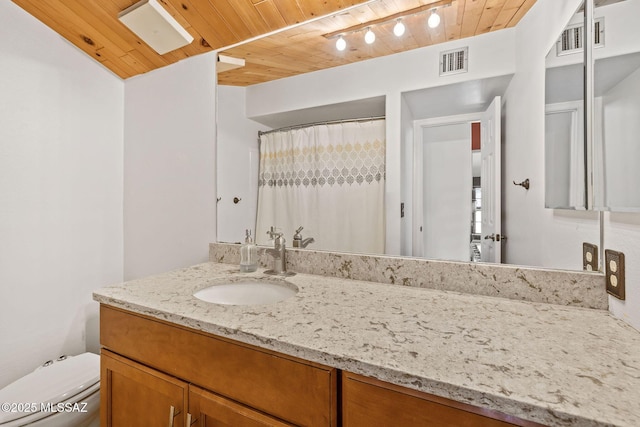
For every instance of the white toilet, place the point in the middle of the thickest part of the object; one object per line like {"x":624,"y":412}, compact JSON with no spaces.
{"x":61,"y":393}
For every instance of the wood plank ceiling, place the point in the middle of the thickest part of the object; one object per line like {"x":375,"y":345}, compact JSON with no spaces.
{"x":92,"y":26}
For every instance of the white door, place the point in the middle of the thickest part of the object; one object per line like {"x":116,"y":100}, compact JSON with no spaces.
{"x":420,"y":222}
{"x":491,"y":181}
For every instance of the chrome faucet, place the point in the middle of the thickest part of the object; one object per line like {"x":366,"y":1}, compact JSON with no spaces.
{"x":279,"y":254}
{"x":299,"y":242}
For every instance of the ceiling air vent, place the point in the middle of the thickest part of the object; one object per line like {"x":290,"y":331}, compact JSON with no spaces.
{"x":572,"y":38}
{"x":454,"y":61}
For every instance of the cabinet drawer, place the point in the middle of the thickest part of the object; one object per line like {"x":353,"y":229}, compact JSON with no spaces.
{"x":367,"y":402}
{"x":209,"y":409}
{"x":291,"y":389}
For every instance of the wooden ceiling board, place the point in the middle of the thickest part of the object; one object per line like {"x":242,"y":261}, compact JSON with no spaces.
{"x":270,"y":14}
{"x":93,"y":26}
{"x":528,"y":4}
{"x":290,"y":11}
{"x":462,"y":18}
{"x":239,"y":20}
{"x":471,"y":17}
{"x":506,"y":14}
{"x":492,"y":9}
{"x":453,"y":20}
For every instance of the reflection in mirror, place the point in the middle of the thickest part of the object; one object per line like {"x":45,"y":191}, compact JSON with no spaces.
{"x":447,"y":182}
{"x":617,"y":109}
{"x":614,"y":153}
{"x":326,"y":179}
{"x":453,"y":193}
{"x":565,"y":175}
{"x":406,"y":88}
{"x":450,"y":164}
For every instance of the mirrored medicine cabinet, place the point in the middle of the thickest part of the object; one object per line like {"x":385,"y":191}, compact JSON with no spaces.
{"x":592,"y":111}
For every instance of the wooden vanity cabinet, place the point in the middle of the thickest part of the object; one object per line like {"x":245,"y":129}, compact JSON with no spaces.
{"x":150,"y":366}
{"x":221,"y":382}
{"x":209,"y":409}
{"x":369,"y":402}
{"x":133,"y":395}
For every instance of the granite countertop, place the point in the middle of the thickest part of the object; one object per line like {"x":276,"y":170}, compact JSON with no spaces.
{"x":556,"y":365}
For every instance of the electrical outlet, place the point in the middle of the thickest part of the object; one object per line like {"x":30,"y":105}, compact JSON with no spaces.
{"x":589,"y":257}
{"x":614,"y":268}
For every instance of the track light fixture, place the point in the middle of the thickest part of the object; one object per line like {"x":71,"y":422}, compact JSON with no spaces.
{"x":399,"y":28}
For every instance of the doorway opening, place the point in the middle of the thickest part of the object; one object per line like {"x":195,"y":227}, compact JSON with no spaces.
{"x":456,"y":187}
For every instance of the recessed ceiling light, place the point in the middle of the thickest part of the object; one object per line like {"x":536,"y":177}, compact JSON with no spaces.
{"x":341,"y":44}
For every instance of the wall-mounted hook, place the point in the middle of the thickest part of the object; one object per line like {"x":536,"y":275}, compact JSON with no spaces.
{"x":236,"y":200}
{"x":524,"y":183}
{"x":218,"y":199}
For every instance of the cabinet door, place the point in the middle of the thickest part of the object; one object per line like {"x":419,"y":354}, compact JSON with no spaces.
{"x":368,"y":402}
{"x":135,"y":395}
{"x":209,"y":409}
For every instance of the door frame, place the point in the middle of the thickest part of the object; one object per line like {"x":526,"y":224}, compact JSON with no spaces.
{"x":417,"y":247}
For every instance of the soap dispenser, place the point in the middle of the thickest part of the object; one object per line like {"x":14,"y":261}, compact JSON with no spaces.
{"x":248,"y":255}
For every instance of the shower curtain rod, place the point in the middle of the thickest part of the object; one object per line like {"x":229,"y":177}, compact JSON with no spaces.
{"x":327,"y":122}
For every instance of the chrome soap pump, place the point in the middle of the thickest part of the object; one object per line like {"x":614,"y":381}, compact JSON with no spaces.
{"x":248,"y":255}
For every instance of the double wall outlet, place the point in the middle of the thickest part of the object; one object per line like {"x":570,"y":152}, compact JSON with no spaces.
{"x":589,"y":257}
{"x":614,"y":269}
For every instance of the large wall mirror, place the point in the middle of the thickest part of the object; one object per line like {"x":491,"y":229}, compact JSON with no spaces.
{"x":441,"y":195}
{"x":591,"y":143}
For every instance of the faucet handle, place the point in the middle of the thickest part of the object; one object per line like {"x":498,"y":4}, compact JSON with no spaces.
{"x":273,"y":233}
{"x":299,"y":229}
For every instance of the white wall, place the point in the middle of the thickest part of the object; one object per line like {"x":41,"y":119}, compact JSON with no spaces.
{"x":536,"y":236}
{"x":61,"y":147}
{"x":237,"y":166}
{"x":169,"y":167}
{"x":622,"y":230}
{"x":622,"y":233}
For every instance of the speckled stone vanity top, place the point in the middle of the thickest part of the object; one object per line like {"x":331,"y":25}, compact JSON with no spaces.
{"x":556,"y":365}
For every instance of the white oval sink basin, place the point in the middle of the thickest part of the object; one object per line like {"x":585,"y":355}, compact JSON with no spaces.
{"x":247,"y":292}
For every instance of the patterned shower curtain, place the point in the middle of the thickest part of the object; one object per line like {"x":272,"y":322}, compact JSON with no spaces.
{"x":328,"y":179}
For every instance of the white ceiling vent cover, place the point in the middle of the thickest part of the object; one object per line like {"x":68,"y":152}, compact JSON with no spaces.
{"x":572,"y":38}
{"x":454,"y":61}
{"x":155,"y":26}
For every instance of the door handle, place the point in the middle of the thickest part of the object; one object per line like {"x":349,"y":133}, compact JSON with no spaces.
{"x":172,"y":415}
{"x":495,"y":237}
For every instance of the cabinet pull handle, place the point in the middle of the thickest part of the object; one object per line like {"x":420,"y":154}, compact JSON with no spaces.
{"x":189,"y":419}
{"x":172,"y":415}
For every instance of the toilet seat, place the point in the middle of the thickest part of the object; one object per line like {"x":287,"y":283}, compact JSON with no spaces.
{"x":68,"y":381}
